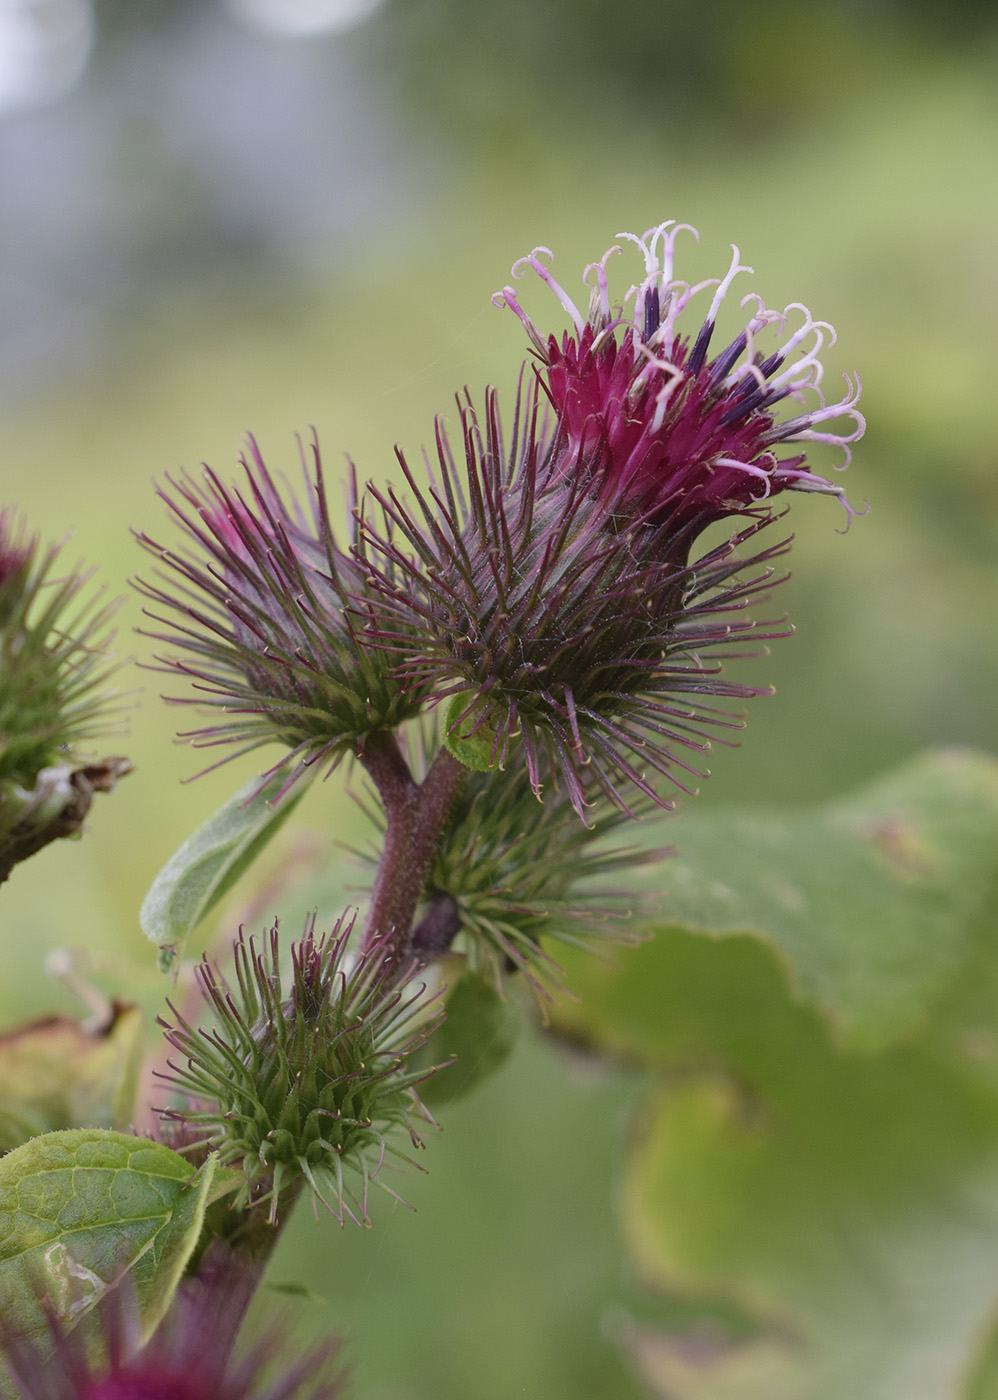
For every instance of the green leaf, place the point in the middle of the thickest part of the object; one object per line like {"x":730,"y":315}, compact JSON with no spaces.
{"x":211,"y":860}
{"x":872,"y":903}
{"x":56,"y":1073}
{"x":473,"y":746}
{"x":79,"y":1209}
{"x":847,"y":1202}
{"x":479,"y":1033}
{"x":866,"y":1251}
{"x":158,"y":1272}
{"x":836,"y":1184}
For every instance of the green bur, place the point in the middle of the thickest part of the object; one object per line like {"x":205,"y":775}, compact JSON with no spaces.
{"x":54,"y":669}
{"x":309,"y":1085}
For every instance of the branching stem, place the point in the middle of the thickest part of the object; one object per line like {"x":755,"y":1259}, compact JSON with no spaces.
{"x":415,"y":814}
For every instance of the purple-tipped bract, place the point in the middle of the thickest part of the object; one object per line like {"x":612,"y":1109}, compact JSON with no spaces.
{"x":264,"y":618}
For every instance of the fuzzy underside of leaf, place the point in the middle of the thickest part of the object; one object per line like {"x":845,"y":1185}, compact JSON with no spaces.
{"x":206,"y":866}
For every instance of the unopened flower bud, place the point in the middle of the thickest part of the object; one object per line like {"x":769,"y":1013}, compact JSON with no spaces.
{"x":308,"y":1081}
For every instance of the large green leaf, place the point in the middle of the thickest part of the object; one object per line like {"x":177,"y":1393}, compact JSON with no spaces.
{"x":843,"y":1197}
{"x":206,"y":866}
{"x":848,"y":1203}
{"x":871,"y":902}
{"x":80,"y":1209}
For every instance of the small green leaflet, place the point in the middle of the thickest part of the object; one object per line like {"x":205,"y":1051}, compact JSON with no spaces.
{"x":202,"y":870}
{"x":473,"y":746}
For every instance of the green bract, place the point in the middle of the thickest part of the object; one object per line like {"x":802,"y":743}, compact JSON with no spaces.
{"x":53,"y":659}
{"x":54,"y":669}
{"x":270,"y":616}
{"x":307,"y":1083}
{"x":520,"y":871}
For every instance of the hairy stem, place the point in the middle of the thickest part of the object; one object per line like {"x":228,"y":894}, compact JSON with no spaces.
{"x":415,"y":814}
{"x":255,"y":1235}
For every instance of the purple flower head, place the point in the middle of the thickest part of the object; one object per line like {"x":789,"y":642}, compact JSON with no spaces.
{"x":550,"y":588}
{"x":262,"y":615}
{"x":665,"y":429}
{"x":191,"y":1356}
{"x":305,"y":1076}
{"x":17,"y":550}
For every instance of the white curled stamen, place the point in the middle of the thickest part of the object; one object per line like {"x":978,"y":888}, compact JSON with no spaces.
{"x":668,"y":239}
{"x":817,"y":485}
{"x":663,"y":397}
{"x":507,"y":299}
{"x":787,"y":349}
{"x":726,"y":281}
{"x":749,"y":470}
{"x":646,"y":247}
{"x":600,"y":296}
{"x":653,"y":270}
{"x":679,"y":303}
{"x":533,"y":261}
{"x":653,"y":361}
{"x":672,"y":299}
{"x":763,"y":315}
{"x":807,"y":371}
{"x":802,"y":429}
{"x":748,"y":370}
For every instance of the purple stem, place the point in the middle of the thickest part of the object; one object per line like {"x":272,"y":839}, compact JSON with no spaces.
{"x":415,"y":814}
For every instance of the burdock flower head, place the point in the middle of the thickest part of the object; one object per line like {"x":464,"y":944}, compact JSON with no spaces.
{"x":263,"y":617}
{"x":308,"y":1081}
{"x":54,"y":695}
{"x":664,"y":429}
{"x":555,"y":581}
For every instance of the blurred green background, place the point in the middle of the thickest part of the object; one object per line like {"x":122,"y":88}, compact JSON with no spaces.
{"x":270,"y":216}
